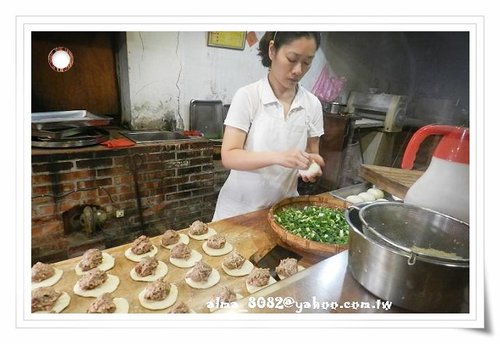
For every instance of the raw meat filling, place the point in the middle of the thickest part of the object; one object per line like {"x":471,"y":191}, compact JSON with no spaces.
{"x":181,"y":308}
{"x":157,"y":291}
{"x":91,"y":259}
{"x":200,"y":272}
{"x":287,"y":267}
{"x":92,"y":279}
{"x":146,"y":267}
{"x":141,"y":245}
{"x":198,"y":228}
{"x":225,"y":294}
{"x":233,"y":260}
{"x":41,"y":271}
{"x":259,"y":277}
{"x":43,"y":299}
{"x":216,"y":241}
{"x":170,"y":237}
{"x":103,"y":304}
{"x":180,"y":251}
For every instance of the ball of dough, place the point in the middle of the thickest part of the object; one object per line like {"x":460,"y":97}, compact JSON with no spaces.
{"x":377,"y":193}
{"x":354,"y":199}
{"x":367,"y":197}
{"x":313,"y":170}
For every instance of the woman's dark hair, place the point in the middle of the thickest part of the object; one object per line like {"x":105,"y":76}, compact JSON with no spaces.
{"x":281,"y":38}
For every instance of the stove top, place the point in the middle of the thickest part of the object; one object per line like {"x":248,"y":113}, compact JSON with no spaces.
{"x":62,"y":136}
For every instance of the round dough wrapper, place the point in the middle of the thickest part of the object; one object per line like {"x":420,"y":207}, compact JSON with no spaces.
{"x":187,"y":263}
{"x":213,"y":309}
{"x":252,"y":289}
{"x":49,"y":281}
{"x":121,"y":304}
{"x":156,"y":305}
{"x":107,"y":287}
{"x":160,"y":271}
{"x":213,"y":279}
{"x":244,"y":269}
{"x":205,"y":236}
{"x":217,"y":252}
{"x":61,"y":303}
{"x":108,"y":262}
{"x":299,"y":268}
{"x":137,"y":258}
{"x":183,"y":238}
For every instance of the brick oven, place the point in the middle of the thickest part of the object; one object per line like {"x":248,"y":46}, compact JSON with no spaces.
{"x":96,"y":197}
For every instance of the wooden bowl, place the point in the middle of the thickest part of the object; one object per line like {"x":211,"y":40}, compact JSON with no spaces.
{"x":294,"y":241}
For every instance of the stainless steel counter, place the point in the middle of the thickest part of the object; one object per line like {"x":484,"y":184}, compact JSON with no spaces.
{"x":326,"y":287}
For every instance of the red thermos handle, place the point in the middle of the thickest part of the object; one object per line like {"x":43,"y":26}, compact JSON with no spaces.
{"x":461,"y":143}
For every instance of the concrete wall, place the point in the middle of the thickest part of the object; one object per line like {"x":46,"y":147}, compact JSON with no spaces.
{"x":161,"y":72}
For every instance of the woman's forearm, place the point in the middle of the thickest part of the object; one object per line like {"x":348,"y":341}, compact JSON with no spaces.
{"x":236,"y":158}
{"x":240,"y":159}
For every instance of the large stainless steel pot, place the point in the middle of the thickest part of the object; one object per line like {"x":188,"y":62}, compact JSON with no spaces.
{"x":420,"y":231}
{"x":423,"y":284}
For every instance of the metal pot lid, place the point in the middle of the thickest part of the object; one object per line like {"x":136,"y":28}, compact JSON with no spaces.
{"x":418,"y":231}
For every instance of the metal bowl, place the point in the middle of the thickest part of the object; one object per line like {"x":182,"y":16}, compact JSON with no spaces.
{"x":426,"y":285}
{"x":419,"y":231}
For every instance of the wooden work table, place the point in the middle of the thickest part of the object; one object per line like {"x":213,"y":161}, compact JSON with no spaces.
{"x":325,"y":279}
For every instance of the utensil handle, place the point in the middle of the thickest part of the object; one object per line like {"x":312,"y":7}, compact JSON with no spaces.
{"x":412,"y":259}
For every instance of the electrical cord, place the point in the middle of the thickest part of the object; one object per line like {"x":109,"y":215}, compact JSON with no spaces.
{"x":73,"y":191}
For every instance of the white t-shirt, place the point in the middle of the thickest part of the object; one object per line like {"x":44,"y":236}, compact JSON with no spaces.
{"x":256,"y":110}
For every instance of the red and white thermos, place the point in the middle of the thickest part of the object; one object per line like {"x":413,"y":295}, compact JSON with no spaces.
{"x":444,"y":187}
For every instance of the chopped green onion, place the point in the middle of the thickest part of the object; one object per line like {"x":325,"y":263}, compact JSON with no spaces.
{"x":315,"y":223}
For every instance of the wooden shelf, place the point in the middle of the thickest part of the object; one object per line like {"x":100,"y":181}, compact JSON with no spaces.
{"x":395,"y":181}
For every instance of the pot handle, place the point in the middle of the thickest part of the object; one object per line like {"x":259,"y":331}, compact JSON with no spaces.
{"x":358,"y":206}
{"x":354,"y":207}
{"x":412,"y":258}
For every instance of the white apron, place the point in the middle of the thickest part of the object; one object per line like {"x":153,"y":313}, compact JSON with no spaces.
{"x":246,"y":191}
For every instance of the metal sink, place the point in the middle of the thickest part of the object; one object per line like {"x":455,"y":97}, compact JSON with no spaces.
{"x":153,"y":136}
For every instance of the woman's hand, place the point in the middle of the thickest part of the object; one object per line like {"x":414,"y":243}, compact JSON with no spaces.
{"x":295,"y":158}
{"x":317,"y":158}
{"x":311,"y":178}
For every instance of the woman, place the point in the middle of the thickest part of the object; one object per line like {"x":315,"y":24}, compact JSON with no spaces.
{"x":272,"y":128}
